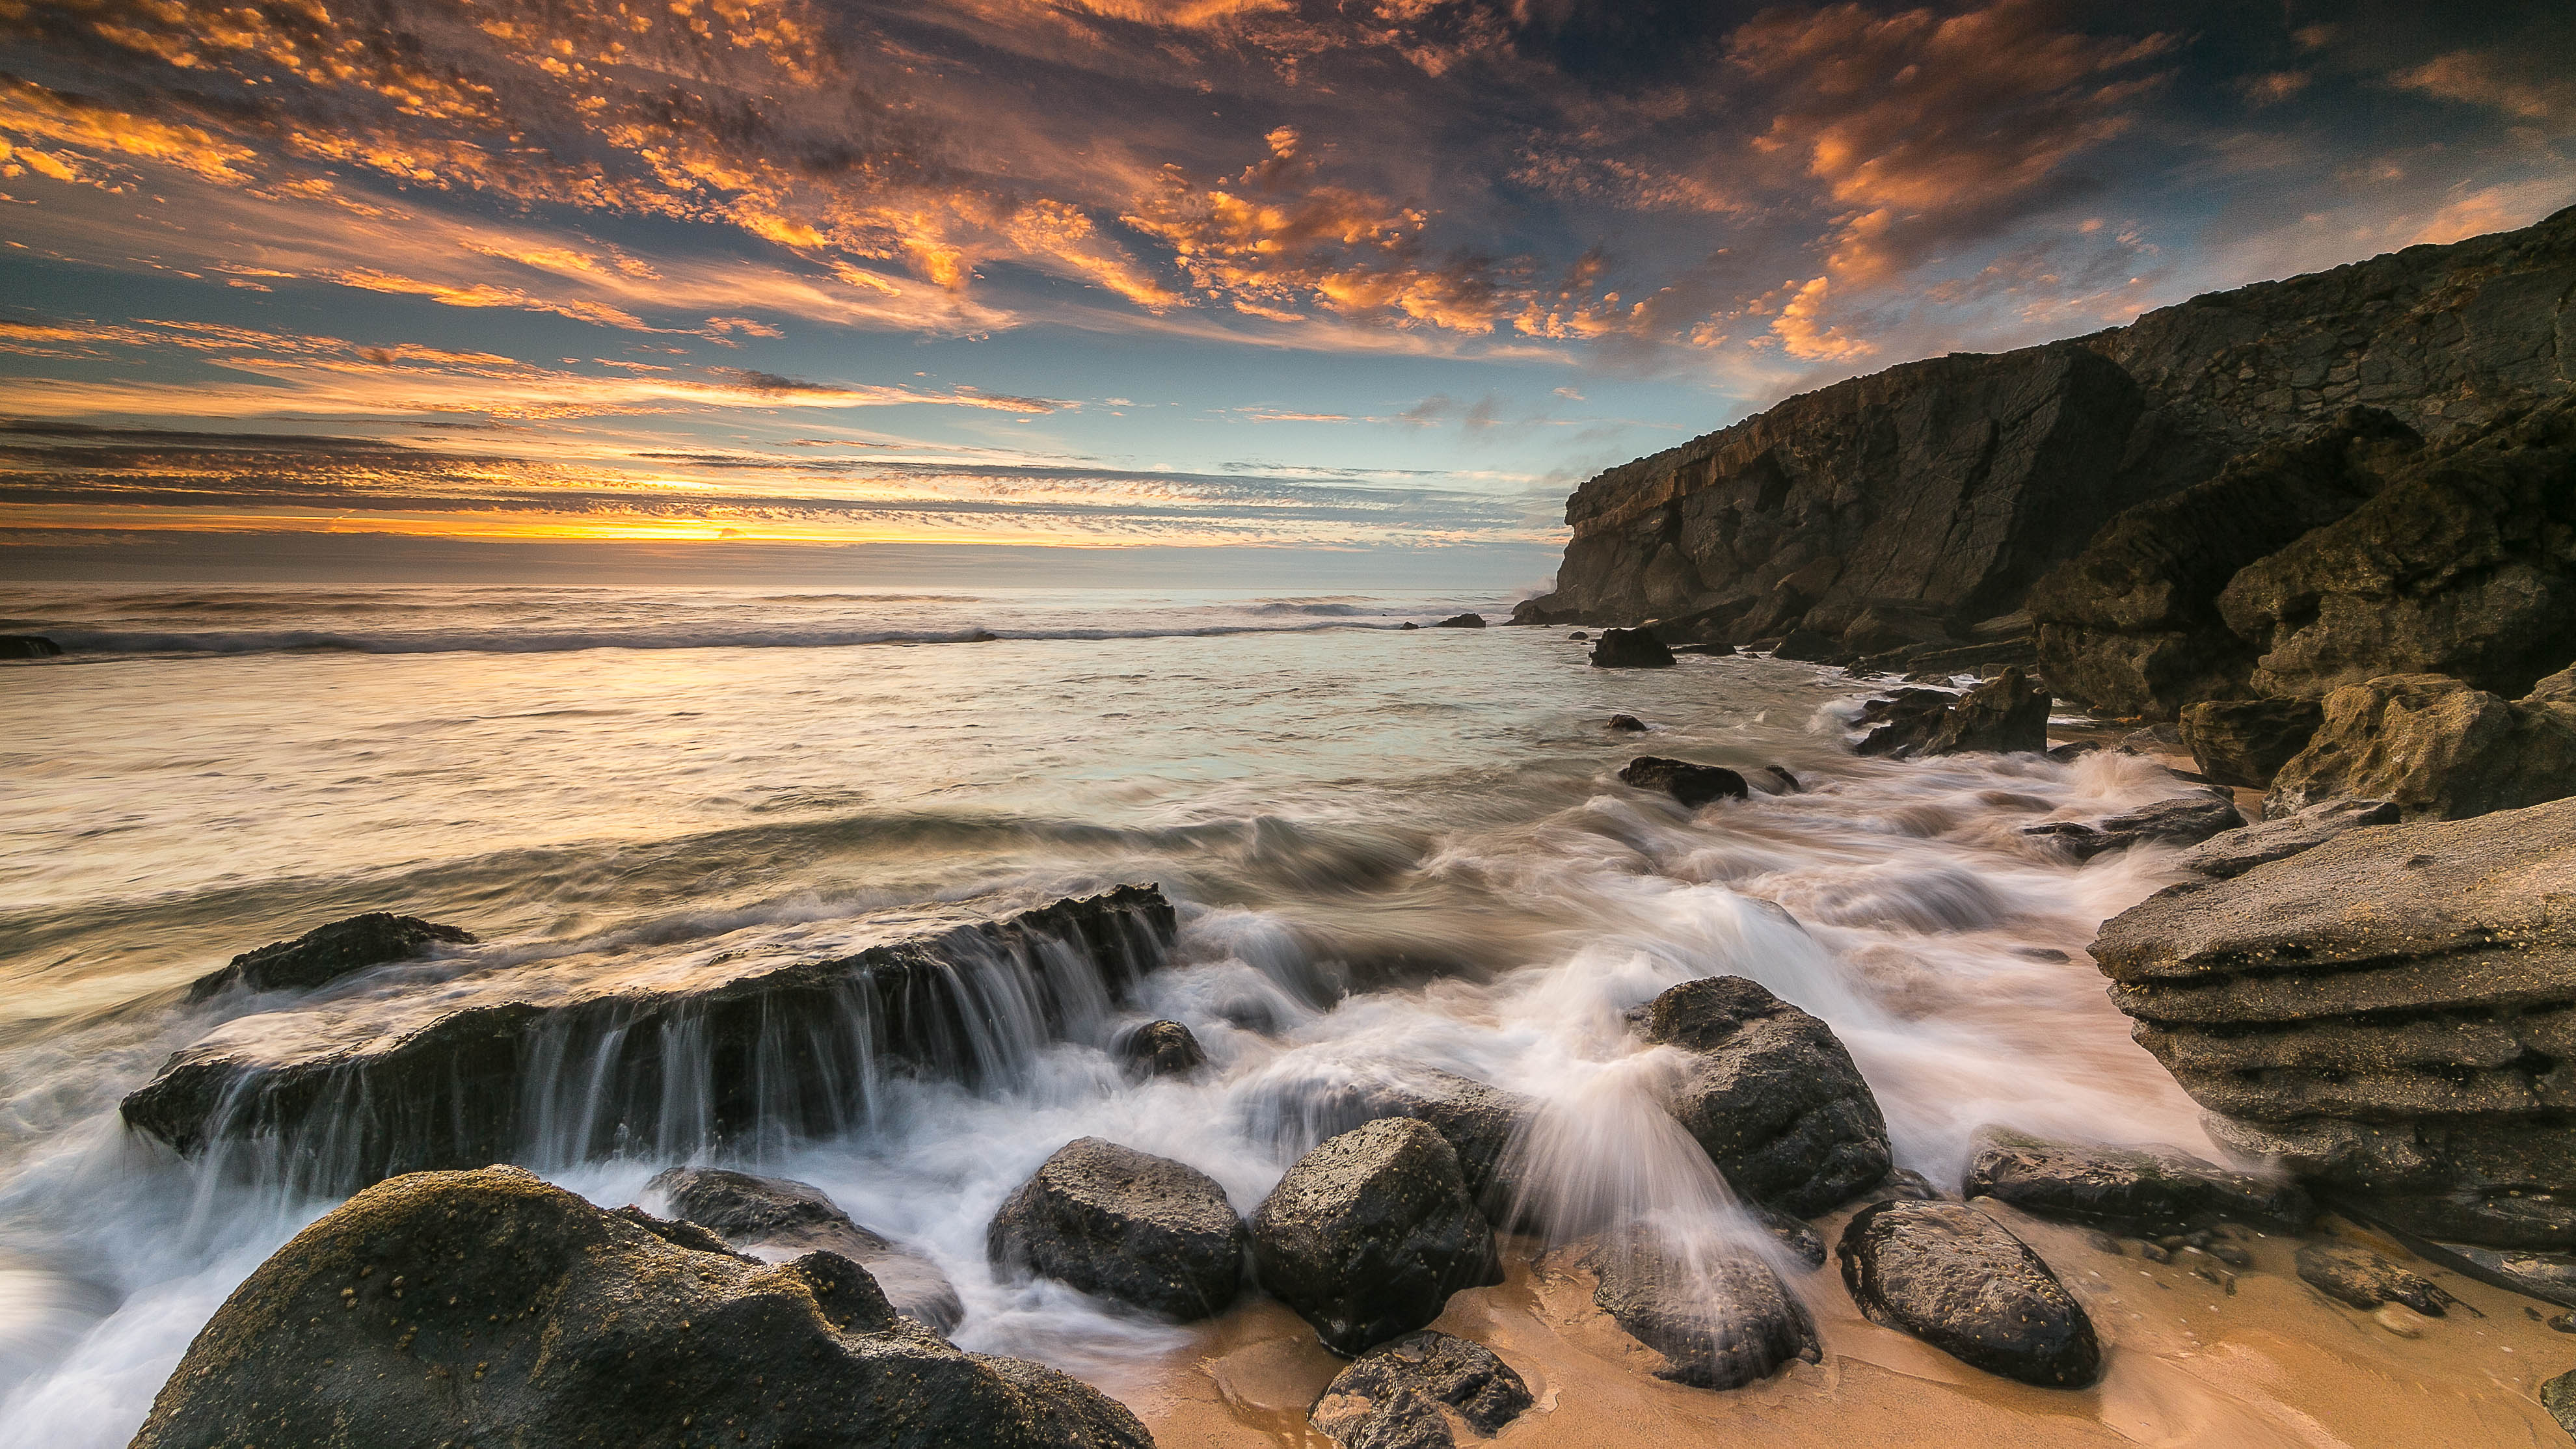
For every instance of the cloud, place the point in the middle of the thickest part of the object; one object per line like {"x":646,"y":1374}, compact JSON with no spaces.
{"x":1805,"y":335}
{"x":2525,"y":87}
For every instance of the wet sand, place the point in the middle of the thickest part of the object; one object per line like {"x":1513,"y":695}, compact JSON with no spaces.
{"x":2272,"y":1366}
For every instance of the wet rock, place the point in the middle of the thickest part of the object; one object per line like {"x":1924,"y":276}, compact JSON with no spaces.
{"x":2247,"y":741}
{"x":1721,"y":1318}
{"x":1904,"y":721}
{"x":2155,"y":739}
{"x":1578,"y":636}
{"x":983,"y":636}
{"x":2558,"y":1396}
{"x":1392,"y":1396}
{"x":491,"y":1307}
{"x":1791,"y":1233}
{"x":1771,"y":1095}
{"x":700,"y":1050}
{"x":327,"y":953}
{"x":1627,"y":724}
{"x":2184,"y":820}
{"x":1478,"y":1120}
{"x":1693,"y":785}
{"x":1630,"y":649}
{"x":2141,"y":1191}
{"x":775,"y":1220}
{"x":2073,"y":750}
{"x":2386,"y":1015}
{"x":1407,"y":624}
{"x":2350,"y":1273}
{"x":2437,"y":748}
{"x":1368,"y":1235}
{"x":28,"y":646}
{"x":1537,"y":611}
{"x":1808,"y":646}
{"x":2102,"y":1242}
{"x":2004,"y":715}
{"x":2234,"y":852}
{"x":1907,"y":1184}
{"x":1716,"y":650}
{"x":1145,"y":1230}
{"x":1162,"y":1049}
{"x":1888,"y":626}
{"x":1960,"y":1281}
{"x":1781,"y":781}
{"x":1461,"y":621}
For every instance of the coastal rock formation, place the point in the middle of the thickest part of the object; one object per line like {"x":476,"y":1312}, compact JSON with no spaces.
{"x":2352,"y":1274}
{"x":1627,"y":724}
{"x":1721,"y":1319}
{"x":2389,"y":1015}
{"x":2234,"y":852}
{"x":775,"y":1220}
{"x":1961,"y":1282}
{"x":1630,"y":649}
{"x":2183,"y":820}
{"x":2436,"y":748}
{"x":1772,"y":1096}
{"x":1461,"y":621}
{"x":2245,"y":742}
{"x":1368,"y":1235}
{"x":1124,"y":1224}
{"x":2144,"y":1191}
{"x":490,"y":1307}
{"x":1904,"y":721}
{"x":1162,"y":1049}
{"x":2007,"y":713}
{"x":1393,"y":1396}
{"x":327,"y":953}
{"x":694,"y":1051}
{"x":1479,"y":1121}
{"x":1693,"y":785}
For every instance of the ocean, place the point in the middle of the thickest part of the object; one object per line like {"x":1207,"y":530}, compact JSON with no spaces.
{"x":1386,"y":846}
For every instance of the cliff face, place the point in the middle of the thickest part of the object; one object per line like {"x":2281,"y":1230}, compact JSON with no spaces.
{"x":1954,"y":484}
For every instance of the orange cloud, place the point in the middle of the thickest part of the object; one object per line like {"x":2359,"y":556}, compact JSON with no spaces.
{"x":2529,"y":89}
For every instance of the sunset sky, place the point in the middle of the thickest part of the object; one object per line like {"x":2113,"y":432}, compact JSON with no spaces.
{"x":1238,"y":288}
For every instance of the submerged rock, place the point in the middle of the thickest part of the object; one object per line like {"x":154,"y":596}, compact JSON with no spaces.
{"x":1693,"y":785}
{"x":1392,"y":1397}
{"x":1630,"y":649}
{"x":1461,"y":621}
{"x":1905,"y":721}
{"x":1627,"y":724}
{"x":2234,"y":852}
{"x":1162,"y":1049}
{"x":1110,"y":1220}
{"x":2437,"y":748}
{"x":2247,"y":741}
{"x":327,"y":953}
{"x":28,"y":646}
{"x":1368,"y":1235}
{"x":1963,"y":1283}
{"x":1479,"y":1121}
{"x":491,"y":1307}
{"x":1808,"y":646}
{"x":1721,"y":1319}
{"x":2141,"y":1191}
{"x":1716,"y":650}
{"x":775,"y":1219}
{"x":2350,"y":1273}
{"x":2183,"y":820}
{"x":1772,"y":1096}
{"x":2004,"y":715}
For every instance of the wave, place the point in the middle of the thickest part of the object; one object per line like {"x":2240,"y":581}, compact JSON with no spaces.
{"x":127,"y":643}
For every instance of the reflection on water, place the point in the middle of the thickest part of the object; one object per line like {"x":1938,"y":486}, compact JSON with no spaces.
{"x":1391,"y":852}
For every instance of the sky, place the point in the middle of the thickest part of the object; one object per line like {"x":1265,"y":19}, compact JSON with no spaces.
{"x":1204,"y":291}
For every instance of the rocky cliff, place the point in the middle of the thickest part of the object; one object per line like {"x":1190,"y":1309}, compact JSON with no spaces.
{"x":1939,"y":493}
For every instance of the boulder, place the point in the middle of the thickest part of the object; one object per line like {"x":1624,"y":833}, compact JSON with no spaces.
{"x":491,"y":1307}
{"x":2352,"y":1274}
{"x":2434,"y":746}
{"x":1407,"y":625}
{"x":1627,"y":724}
{"x":1960,"y":1281}
{"x":1537,"y":611}
{"x":2558,"y":1396}
{"x":1461,"y":621}
{"x":1630,"y":649}
{"x":2142,"y":1191}
{"x":1161,"y":1049}
{"x":327,"y":953}
{"x":1771,"y":1095}
{"x":1904,"y":722}
{"x":28,"y":646}
{"x":2183,"y":820}
{"x":2245,"y":742}
{"x":1778,"y":780}
{"x":1147,"y":1231}
{"x":1808,"y":646}
{"x":774,"y":1220}
{"x":1887,"y":626}
{"x":1393,"y":1396}
{"x":2006,"y":714}
{"x":710,"y":1047}
{"x":1721,"y":1319}
{"x":1479,"y":1121}
{"x":2234,"y":852}
{"x":1368,"y":1235}
{"x":2387,"y":1014}
{"x":1693,"y":785}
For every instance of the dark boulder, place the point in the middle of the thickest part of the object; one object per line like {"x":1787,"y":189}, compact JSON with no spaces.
{"x":28,"y":646}
{"x":2004,"y":715}
{"x":1715,"y":650}
{"x":1960,"y":1281}
{"x":1368,"y":1235}
{"x":2183,"y":820}
{"x":1792,"y":1234}
{"x":775,"y":1219}
{"x":2246,"y":741}
{"x":1905,"y":721}
{"x":2234,"y":852}
{"x":1889,"y":626}
{"x":1693,"y":785}
{"x":1771,"y":1096}
{"x":1627,"y":724}
{"x":327,"y":953}
{"x":1479,"y":1121}
{"x":1150,"y":1232}
{"x":1721,"y":1318}
{"x":1808,"y":646}
{"x":1630,"y":649}
{"x":2352,"y":1274}
{"x":1393,"y":1396}
{"x":1161,"y":1049}
{"x":1461,"y":621}
{"x":2142,"y":1191}
{"x":1538,"y":611}
{"x":1407,"y":624}
{"x":2437,"y":748}
{"x":1779,"y":781}
{"x":490,"y":1307}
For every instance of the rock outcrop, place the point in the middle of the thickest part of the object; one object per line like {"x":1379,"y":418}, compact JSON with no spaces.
{"x":2006,"y":714}
{"x":1721,"y":1319}
{"x":1110,"y":1220}
{"x":568,"y":1060}
{"x":2352,"y":1274}
{"x":1771,"y":1096}
{"x":1478,"y":1120}
{"x":2234,"y":852}
{"x":2146,"y":1191}
{"x":1461,"y":621}
{"x":2435,"y":747}
{"x":1630,"y":649}
{"x":327,"y":953}
{"x":2390,"y":1015}
{"x":490,"y":1307}
{"x":2183,"y":820}
{"x":1692,"y":785}
{"x":1400,"y":1395}
{"x":775,"y":1220}
{"x":1368,"y":1235}
{"x":1963,"y":1283}
{"x":2245,"y":742}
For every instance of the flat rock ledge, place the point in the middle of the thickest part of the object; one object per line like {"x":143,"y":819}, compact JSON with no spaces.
{"x":327,"y":953}
{"x":2141,"y":1191}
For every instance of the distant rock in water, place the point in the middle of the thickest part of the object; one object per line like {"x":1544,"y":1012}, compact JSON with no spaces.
{"x":327,"y":953}
{"x":1408,"y":624}
{"x":1808,"y":646}
{"x":1773,"y":1097}
{"x":1630,"y":649}
{"x":1716,"y":650}
{"x":28,"y":646}
{"x":1627,"y":724}
{"x":1461,"y":621}
{"x":1368,"y":1235}
{"x":2005,"y":715}
{"x":2433,"y":746}
{"x":1145,"y":1230}
{"x":1392,"y":1396}
{"x":1162,"y":1049}
{"x":1905,"y":721}
{"x":1722,"y":1319}
{"x":704,"y":1049}
{"x":1693,"y":785}
{"x":776,"y":1220}
{"x":492,"y":1307}
{"x":1963,"y":1283}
